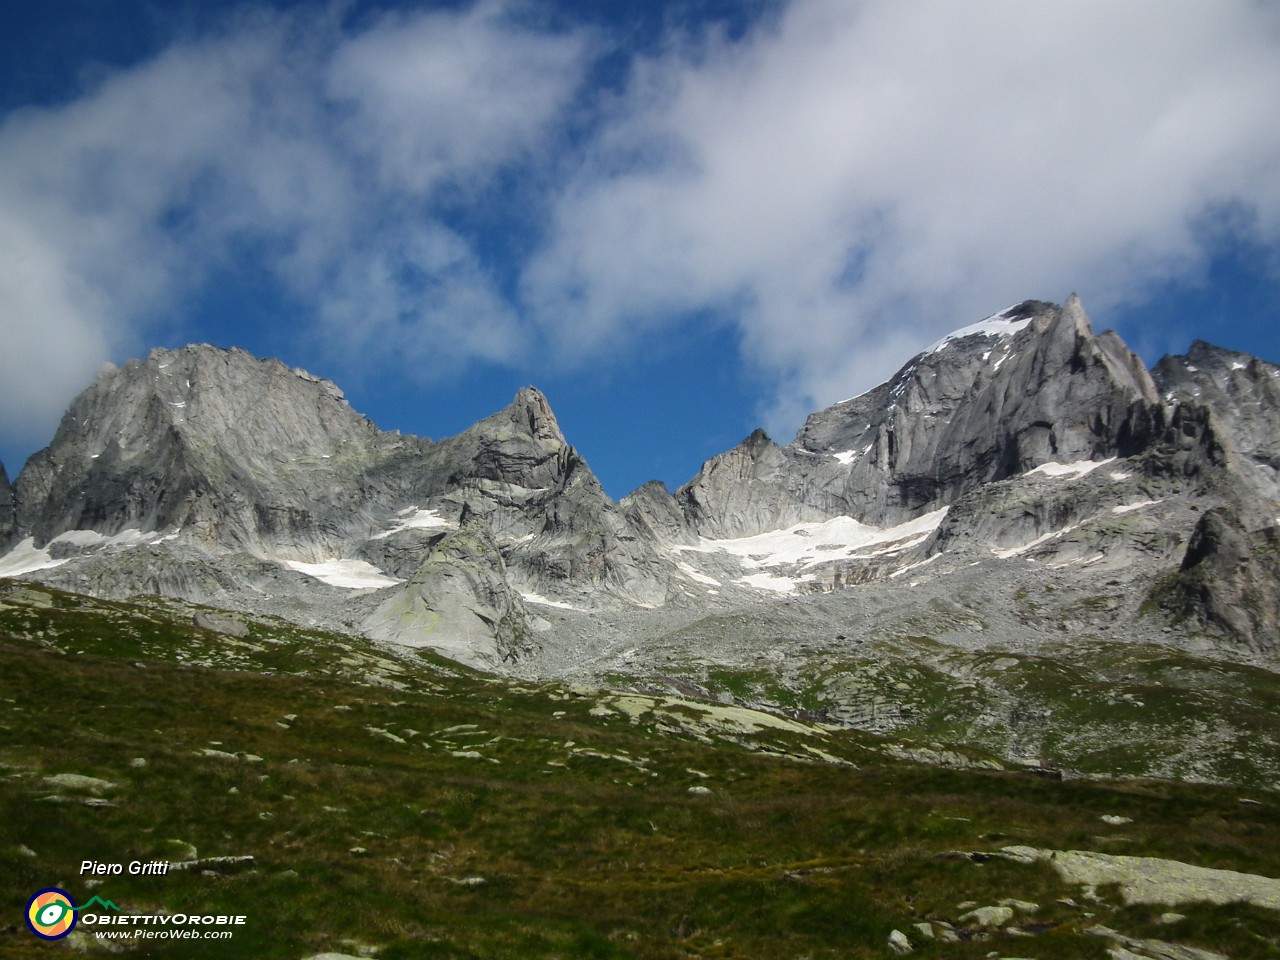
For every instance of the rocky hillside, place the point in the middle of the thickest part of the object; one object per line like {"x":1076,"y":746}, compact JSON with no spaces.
{"x":214,"y":476}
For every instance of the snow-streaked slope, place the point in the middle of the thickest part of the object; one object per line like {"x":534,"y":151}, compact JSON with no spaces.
{"x":1069,"y":471}
{"x":997,"y":325}
{"x":413,"y":518}
{"x":779,"y":560}
{"x":812,"y":543}
{"x":25,"y":558}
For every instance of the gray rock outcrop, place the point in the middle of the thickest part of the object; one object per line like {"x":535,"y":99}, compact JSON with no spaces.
{"x":1152,"y":880}
{"x":220,"y":623}
{"x":459,"y":602}
{"x":237,"y":481}
{"x":1230,"y":580}
{"x":1243,"y":393}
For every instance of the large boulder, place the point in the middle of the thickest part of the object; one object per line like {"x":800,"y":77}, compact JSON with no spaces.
{"x":459,"y":603}
{"x":1230,"y":580}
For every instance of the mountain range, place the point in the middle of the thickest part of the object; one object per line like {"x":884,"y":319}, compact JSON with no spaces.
{"x":1024,"y":487}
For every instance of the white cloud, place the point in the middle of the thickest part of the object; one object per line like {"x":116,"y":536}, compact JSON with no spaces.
{"x":316,"y":152}
{"x":858,"y":178}
{"x":417,"y":300}
{"x":439,"y":97}
{"x":845,"y":182}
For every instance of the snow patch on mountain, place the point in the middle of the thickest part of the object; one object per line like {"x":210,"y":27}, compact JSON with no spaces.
{"x":773,"y":582}
{"x":996,"y":325}
{"x":413,"y":518}
{"x":547,"y":601}
{"x":848,"y":456}
{"x":766,"y":556}
{"x":1140,"y":505}
{"x":1068,"y":471}
{"x":348,"y":574}
{"x":1005,"y":553}
{"x":694,"y":575}
{"x":131,"y":537}
{"x":26,"y":558}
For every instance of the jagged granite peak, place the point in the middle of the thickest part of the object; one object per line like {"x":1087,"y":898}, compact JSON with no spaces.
{"x":228,"y":448}
{"x":519,"y":445}
{"x":1030,"y":385}
{"x":653,"y":512}
{"x":754,"y":487}
{"x":218,"y":478}
{"x":1243,"y":392}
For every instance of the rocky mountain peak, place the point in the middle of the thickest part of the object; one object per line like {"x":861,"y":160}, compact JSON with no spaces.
{"x":1230,"y":580}
{"x":531,"y":410}
{"x":1027,"y":386}
{"x":1243,"y":394}
{"x":192,"y":437}
{"x":218,"y":477}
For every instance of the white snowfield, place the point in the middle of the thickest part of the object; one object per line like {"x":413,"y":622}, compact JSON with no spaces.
{"x":25,"y":557}
{"x":1139,"y":505}
{"x":350,"y":574}
{"x":994,"y":326}
{"x":547,"y":601}
{"x":413,"y":518}
{"x":847,"y":457}
{"x":1069,"y":471}
{"x":809,"y":544}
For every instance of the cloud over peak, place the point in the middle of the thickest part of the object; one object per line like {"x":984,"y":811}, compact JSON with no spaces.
{"x":842,"y":183}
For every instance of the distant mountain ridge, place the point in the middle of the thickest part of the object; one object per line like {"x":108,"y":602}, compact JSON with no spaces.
{"x":221,"y":478}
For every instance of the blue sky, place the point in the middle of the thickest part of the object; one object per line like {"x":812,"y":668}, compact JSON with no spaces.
{"x":681,"y":220}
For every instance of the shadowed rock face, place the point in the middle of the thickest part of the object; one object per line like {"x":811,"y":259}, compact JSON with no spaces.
{"x":1243,"y":392}
{"x":8,"y":512}
{"x":1230,"y":579}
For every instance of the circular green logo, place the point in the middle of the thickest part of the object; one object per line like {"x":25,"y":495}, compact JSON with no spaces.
{"x":51,"y":914}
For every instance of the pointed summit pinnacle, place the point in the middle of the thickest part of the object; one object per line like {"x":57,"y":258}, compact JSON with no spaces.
{"x":530,"y":411}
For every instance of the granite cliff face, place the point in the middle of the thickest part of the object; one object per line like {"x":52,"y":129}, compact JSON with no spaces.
{"x":1022,"y":444}
{"x":228,"y":449}
{"x":1030,"y":386}
{"x":172,"y":471}
{"x":1243,"y":394}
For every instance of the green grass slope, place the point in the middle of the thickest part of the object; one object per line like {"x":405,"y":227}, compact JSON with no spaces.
{"x":406,"y":807}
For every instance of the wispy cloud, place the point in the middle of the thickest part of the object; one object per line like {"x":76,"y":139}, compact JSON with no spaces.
{"x":843,"y":182}
{"x":329,"y":158}
{"x":857,"y":177}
